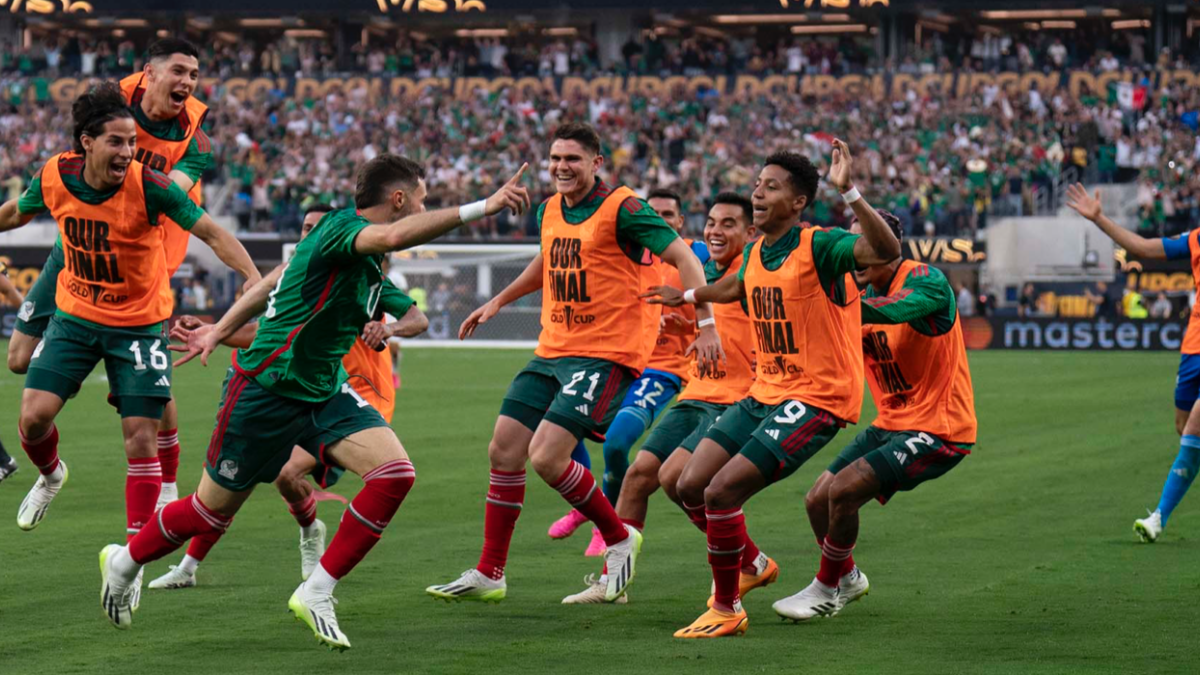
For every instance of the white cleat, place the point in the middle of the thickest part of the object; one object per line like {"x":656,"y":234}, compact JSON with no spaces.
{"x":7,"y":468}
{"x":135,"y":590}
{"x":473,"y":586}
{"x":852,"y":586}
{"x":116,"y":600}
{"x":176,"y":578}
{"x":168,"y":494}
{"x":621,"y":559}
{"x":311,"y":549}
{"x":815,"y":600}
{"x":315,"y":610}
{"x":1149,"y":528}
{"x":594,"y":594}
{"x":33,"y":508}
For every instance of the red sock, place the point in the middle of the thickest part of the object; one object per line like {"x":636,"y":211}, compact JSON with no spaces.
{"x":848,"y":565}
{"x":697,"y":516}
{"x":726,"y":541}
{"x":168,"y":454}
{"x":750,"y":553}
{"x":199,"y":547}
{"x":833,"y":556}
{"x":43,"y":452}
{"x":177,"y":522}
{"x":577,"y":486}
{"x":364,"y":520}
{"x":305,"y":510}
{"x":143,"y":480}
{"x":505,"y":497}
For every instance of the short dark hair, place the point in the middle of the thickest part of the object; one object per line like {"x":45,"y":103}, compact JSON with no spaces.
{"x":735,"y":199}
{"x":319,"y":207}
{"x":92,"y":110}
{"x":580,"y":132}
{"x":663,"y":193}
{"x":168,"y":46}
{"x":382,"y":172}
{"x":893,"y":223}
{"x":802,"y":174}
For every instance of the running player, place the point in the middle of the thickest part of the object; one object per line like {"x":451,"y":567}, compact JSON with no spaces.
{"x":807,"y":329}
{"x":916,"y":366}
{"x":169,"y":140}
{"x":9,"y":295}
{"x":1187,"y":383}
{"x":653,"y":391}
{"x":368,"y":371}
{"x":665,"y":453}
{"x":289,"y":389}
{"x":113,"y":295}
{"x":590,"y":350}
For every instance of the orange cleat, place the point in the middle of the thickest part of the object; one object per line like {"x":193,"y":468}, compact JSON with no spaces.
{"x":749,"y":582}
{"x":715,"y":623}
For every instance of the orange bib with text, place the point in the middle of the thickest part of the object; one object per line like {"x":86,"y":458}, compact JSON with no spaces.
{"x":163,"y":155}
{"x":371,"y":376}
{"x":919,"y":383}
{"x":808,"y":346}
{"x":115,"y":268}
{"x":590,"y":287}
{"x":668,"y":348}
{"x":1191,"y":340}
{"x":731,"y":383}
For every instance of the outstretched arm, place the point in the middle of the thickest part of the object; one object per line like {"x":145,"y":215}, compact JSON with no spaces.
{"x":252,"y":303}
{"x":529,"y":281}
{"x":11,"y":217}
{"x":227,"y":247}
{"x":727,"y":290}
{"x":878,"y":245}
{"x":708,"y":344}
{"x":1089,"y":207}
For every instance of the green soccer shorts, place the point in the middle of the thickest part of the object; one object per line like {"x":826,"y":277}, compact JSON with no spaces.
{"x":682,"y":427}
{"x":778,"y":439}
{"x":136,"y":362}
{"x":40,"y":305}
{"x":579,"y":394}
{"x":257,"y":429}
{"x":902,"y":460}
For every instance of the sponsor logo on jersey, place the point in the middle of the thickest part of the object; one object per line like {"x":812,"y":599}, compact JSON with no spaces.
{"x":229,"y":469}
{"x":582,"y":409}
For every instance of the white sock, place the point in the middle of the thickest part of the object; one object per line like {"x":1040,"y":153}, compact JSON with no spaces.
{"x":309,"y":531}
{"x":189,"y":564}
{"x":828,"y":590}
{"x":123,"y":565}
{"x":168,"y":486}
{"x":56,"y":476}
{"x":320,"y":581}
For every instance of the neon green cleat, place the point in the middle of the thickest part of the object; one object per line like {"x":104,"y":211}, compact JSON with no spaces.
{"x":472,"y":586}
{"x":316,"y":612}
{"x":116,"y":601}
{"x":621,"y":559}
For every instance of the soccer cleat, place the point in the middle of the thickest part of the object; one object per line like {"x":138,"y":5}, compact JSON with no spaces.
{"x":473,"y":586}
{"x":566,"y":526}
{"x":595,"y":547}
{"x":621,"y":560}
{"x":311,"y":549}
{"x":852,"y":586}
{"x":1149,"y":528}
{"x":8,"y":468}
{"x":33,"y":508}
{"x":315,"y":610}
{"x":166,"y":495}
{"x":115,"y":600}
{"x":766,"y":572}
{"x":135,"y":590}
{"x":815,"y":600}
{"x":715,"y":623}
{"x":176,"y":578}
{"x":594,"y":593}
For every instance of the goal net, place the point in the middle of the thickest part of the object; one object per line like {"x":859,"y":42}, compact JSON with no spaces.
{"x":449,"y":281}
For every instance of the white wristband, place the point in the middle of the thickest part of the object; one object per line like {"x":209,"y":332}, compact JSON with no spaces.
{"x":473,"y":211}
{"x":852,"y":195}
{"x":706,"y":322}
{"x":689,"y":296}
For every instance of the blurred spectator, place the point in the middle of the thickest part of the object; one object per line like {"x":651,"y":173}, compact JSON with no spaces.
{"x":1161,"y":309}
{"x":1027,"y":303}
{"x":966,"y":301}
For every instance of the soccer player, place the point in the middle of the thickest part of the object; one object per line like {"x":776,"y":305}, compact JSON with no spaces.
{"x":113,"y":295}
{"x":916,"y":366}
{"x":707,"y":394}
{"x":1187,"y":384}
{"x":169,"y":140}
{"x":9,"y":295}
{"x":591,"y":348}
{"x":368,"y":371}
{"x":653,"y":391}
{"x":289,"y":388}
{"x":807,"y":328}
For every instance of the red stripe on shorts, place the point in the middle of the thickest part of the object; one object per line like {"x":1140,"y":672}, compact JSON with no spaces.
{"x":214,"y":444}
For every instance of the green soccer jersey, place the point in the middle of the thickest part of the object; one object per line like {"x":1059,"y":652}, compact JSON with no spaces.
{"x":925,"y":302}
{"x":327,"y":293}
{"x":833,"y":254}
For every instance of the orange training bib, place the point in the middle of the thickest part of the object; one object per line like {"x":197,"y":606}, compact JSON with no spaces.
{"x":371,"y":376}
{"x":731,"y":383}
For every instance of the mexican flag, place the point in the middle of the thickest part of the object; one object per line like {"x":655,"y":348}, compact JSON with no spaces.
{"x":1131,"y":97}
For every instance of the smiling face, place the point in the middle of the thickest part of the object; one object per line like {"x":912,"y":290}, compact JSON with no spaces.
{"x":170,"y":80}
{"x":109,"y":154}
{"x":573,"y":169}
{"x":777,"y":204}
{"x":726,"y":232}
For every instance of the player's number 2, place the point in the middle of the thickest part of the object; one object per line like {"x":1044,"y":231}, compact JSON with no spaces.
{"x":576,"y":378}
{"x":158,"y":359}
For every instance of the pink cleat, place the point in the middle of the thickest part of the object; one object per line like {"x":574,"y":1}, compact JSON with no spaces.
{"x":566,"y":526}
{"x":596,"y":548}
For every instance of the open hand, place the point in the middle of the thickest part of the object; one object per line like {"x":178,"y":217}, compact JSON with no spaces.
{"x":663,"y":295}
{"x":840,"y":167}
{"x":1084,"y":204}
{"x":480,"y":315}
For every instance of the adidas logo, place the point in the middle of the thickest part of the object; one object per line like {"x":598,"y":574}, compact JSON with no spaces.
{"x":773,"y":433}
{"x":163,"y":381}
{"x":583,"y":409}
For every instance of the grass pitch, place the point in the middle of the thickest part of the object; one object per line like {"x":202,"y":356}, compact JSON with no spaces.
{"x":1021,"y":560}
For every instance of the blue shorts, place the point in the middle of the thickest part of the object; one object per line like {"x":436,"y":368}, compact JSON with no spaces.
{"x":650,"y":394}
{"x":1187,"y":383}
